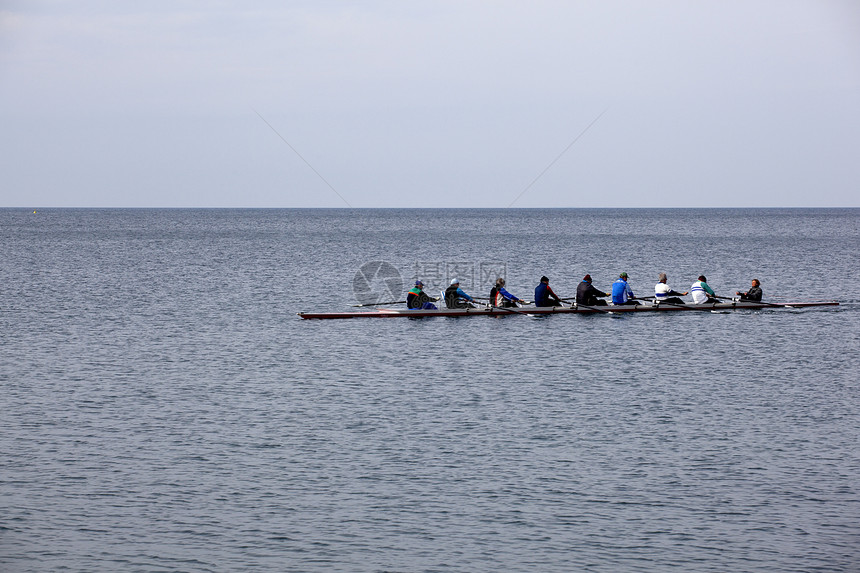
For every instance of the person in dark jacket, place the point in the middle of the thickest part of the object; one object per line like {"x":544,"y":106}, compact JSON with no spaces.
{"x":455,"y":297}
{"x":587,"y":295}
{"x":754,"y":294}
{"x":417,"y":298}
{"x":544,"y":295}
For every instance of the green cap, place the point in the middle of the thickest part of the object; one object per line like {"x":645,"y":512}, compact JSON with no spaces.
{"x":623,"y":275}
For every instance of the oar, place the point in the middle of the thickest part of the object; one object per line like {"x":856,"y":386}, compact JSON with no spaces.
{"x":656,"y":298}
{"x":379,"y":303}
{"x":597,"y":309}
{"x":753,"y":301}
{"x":692,"y":306}
{"x":566,"y":299}
{"x":660,"y":299}
{"x":573,"y":298}
{"x":594,"y":308}
{"x":508,"y":309}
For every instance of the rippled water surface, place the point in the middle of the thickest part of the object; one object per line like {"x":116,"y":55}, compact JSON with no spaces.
{"x":164,"y":409}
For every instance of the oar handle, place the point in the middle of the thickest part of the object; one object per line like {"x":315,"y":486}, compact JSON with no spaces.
{"x":594,"y":308}
{"x":507,"y":309}
{"x":752,"y":301}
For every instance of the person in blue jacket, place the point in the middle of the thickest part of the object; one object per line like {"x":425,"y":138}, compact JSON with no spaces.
{"x":500,"y":297}
{"x":455,"y":297}
{"x":621,"y":291}
{"x":544,"y":295}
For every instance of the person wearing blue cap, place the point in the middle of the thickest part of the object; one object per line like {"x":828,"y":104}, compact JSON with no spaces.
{"x":455,"y":297}
{"x":417,"y":298}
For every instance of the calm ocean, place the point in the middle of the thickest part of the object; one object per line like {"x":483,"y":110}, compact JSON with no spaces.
{"x":164,"y":409}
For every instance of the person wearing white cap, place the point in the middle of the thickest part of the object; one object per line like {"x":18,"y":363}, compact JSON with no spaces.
{"x":456,"y":298}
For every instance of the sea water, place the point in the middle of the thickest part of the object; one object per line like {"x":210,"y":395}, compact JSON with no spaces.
{"x":163,"y":408}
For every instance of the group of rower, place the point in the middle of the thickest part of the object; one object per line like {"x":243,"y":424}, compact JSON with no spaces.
{"x":586,"y":294}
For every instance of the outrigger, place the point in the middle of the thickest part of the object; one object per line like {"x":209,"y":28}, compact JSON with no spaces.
{"x":572,"y":309}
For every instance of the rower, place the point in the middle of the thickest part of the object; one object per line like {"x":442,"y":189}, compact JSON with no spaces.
{"x":544,"y":295}
{"x":587,"y":295}
{"x":662,"y":292}
{"x":417,"y":298}
{"x":622,"y":294}
{"x":754,"y":294}
{"x":701,"y":292}
{"x":502,"y":298}
{"x":455,"y":297}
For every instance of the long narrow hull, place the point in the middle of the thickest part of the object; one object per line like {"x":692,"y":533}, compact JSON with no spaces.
{"x":663,"y":307}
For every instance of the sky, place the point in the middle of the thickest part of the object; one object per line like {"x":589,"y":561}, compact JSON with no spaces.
{"x":280,"y":103}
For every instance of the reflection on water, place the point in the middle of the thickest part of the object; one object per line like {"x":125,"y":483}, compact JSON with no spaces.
{"x":164,"y":408}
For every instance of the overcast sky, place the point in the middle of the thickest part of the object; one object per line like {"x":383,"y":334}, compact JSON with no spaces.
{"x":105,"y":103}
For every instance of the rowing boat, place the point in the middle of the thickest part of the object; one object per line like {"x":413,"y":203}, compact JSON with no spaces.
{"x":574,"y":309}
